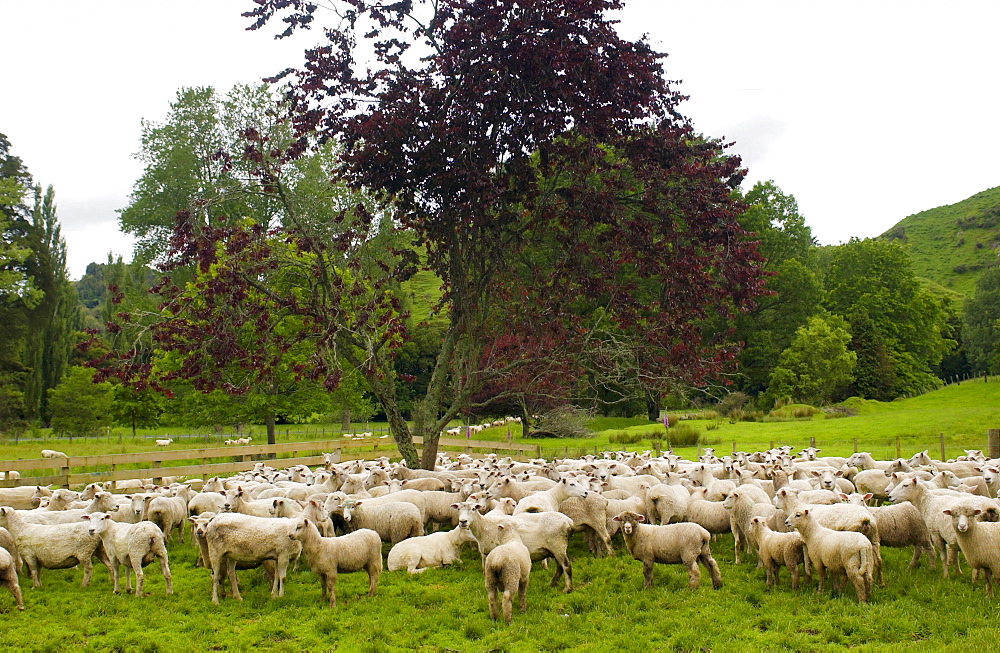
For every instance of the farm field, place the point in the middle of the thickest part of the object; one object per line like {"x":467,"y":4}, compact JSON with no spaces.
{"x":962,"y":413}
{"x":446,"y":610}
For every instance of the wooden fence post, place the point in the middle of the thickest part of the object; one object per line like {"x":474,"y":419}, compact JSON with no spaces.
{"x":993,"y":443}
{"x":855,"y":445}
{"x":898,"y":449}
{"x":941,"y":438}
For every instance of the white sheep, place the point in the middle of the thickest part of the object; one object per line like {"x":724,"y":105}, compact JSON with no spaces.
{"x":549,"y":500}
{"x":899,"y":525}
{"x":686,"y":544}
{"x":836,"y":552}
{"x":22,"y":497}
{"x":507,"y":568}
{"x":131,"y":545}
{"x":710,"y":515}
{"x":8,"y":577}
{"x":546,"y":534}
{"x":979,"y":541}
{"x":394,"y":522}
{"x":775,"y":549}
{"x":418,"y":554}
{"x":839,"y":516}
{"x":164,"y":443}
{"x":233,"y":538}
{"x":59,"y":546}
{"x":50,"y":453}
{"x":329,"y":556}
{"x":666,"y":503}
{"x":742,"y":508}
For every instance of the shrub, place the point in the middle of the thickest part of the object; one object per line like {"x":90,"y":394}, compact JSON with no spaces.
{"x":795,"y":410}
{"x":624,"y":437}
{"x":563,"y":422}
{"x":683,"y":435}
{"x":734,"y":401}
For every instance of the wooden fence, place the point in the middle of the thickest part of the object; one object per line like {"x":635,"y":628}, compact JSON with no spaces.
{"x":193,"y":463}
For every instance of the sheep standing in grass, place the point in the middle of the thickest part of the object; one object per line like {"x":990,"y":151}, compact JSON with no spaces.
{"x":686,"y":544}
{"x":418,"y":554}
{"x":131,"y":545}
{"x":742,"y":509}
{"x":329,"y":556}
{"x":508,"y":569}
{"x":236,"y":539}
{"x":979,"y":541}
{"x":776,"y":549}
{"x":59,"y":546}
{"x":837,"y":552}
{"x":8,"y":577}
{"x":394,"y":522}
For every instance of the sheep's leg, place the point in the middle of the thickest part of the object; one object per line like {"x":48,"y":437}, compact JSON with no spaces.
{"x":988,"y":576}
{"x":952,"y":557}
{"x":522,"y":594}
{"x":647,"y":573}
{"x":564,"y":567}
{"x":915,"y":560}
{"x":168,"y":580}
{"x":15,"y":589}
{"x":373,"y":579}
{"x":331,"y":580}
{"x":234,"y":586}
{"x":32,"y":564}
{"x":694,"y":574}
{"x":88,"y":570}
{"x":491,"y":597}
{"x":712,"y":566}
{"x":278,"y":588}
{"x":793,"y":570}
{"x":821,"y":573}
{"x":737,"y":542}
{"x":140,"y":577}
{"x":508,"y":607}
{"x":940,"y":549}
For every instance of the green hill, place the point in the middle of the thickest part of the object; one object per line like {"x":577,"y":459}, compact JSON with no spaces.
{"x":950,"y":245}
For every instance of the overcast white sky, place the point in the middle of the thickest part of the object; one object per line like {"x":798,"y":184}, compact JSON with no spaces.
{"x":865,"y":111}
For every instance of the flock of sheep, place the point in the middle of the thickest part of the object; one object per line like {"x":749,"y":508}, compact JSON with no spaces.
{"x":806,"y":513}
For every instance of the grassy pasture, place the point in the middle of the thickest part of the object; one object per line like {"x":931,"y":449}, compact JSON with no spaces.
{"x":446,"y":610}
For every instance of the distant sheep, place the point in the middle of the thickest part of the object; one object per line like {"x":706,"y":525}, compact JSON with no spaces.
{"x":49,"y":453}
{"x":164,"y":443}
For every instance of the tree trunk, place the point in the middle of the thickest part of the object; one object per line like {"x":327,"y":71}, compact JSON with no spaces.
{"x":653,"y":405}
{"x":347,"y":420}
{"x":269,"y":421}
{"x":525,"y":420}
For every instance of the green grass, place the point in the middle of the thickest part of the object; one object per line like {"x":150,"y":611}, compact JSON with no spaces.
{"x":446,"y":610}
{"x":944,"y":240}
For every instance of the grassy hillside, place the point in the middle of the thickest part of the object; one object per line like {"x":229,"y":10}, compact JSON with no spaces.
{"x":952,"y":244}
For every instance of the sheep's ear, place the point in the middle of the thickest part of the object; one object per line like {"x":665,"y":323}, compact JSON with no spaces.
{"x":617,"y":518}
{"x":641,"y":518}
{"x":115,"y":509}
{"x":844,"y":497}
{"x":977,"y":511}
{"x":868,"y":496}
{"x":805,"y":511}
{"x":455,"y":506}
{"x":87,"y":517}
{"x":839,"y":473}
{"x":947,"y":511}
{"x":305,"y":521}
{"x":358,"y":502}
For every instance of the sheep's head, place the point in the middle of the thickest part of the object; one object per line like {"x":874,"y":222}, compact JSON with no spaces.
{"x":629,"y":520}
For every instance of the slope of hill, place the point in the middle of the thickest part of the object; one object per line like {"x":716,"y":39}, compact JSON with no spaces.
{"x":952,"y":244}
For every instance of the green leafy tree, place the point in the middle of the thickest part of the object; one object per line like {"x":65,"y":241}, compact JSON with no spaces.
{"x":78,"y":405}
{"x":816,"y":363}
{"x":135,"y":408}
{"x":981,"y":323}
{"x":871,"y":284}
{"x":789,"y":250}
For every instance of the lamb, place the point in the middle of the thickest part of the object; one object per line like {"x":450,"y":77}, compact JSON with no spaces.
{"x":741,"y":510}
{"x":132,"y":545}
{"x":21,"y":498}
{"x":164,"y":443}
{"x":710,"y":515}
{"x":8,"y":577}
{"x":666,"y":503}
{"x":546,"y":535}
{"x":550,"y":499}
{"x":778,"y":549}
{"x":686,"y":544}
{"x":507,"y":567}
{"x":979,"y":541}
{"x":328,"y":556}
{"x":590,"y":516}
{"x":840,"y":517}
{"x":394,"y":522}
{"x":419,"y":554}
{"x":944,"y":540}
{"x":49,"y":453}
{"x":59,"y":546}
{"x":234,"y":538}
{"x":846,"y":552}
{"x":899,"y":525}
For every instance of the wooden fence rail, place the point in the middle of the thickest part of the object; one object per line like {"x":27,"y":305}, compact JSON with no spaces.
{"x":212,"y":461}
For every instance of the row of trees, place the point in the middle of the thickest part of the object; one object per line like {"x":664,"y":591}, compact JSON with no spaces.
{"x":40,"y":316}
{"x":588,"y":245}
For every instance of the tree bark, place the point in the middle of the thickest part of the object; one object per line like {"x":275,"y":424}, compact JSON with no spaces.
{"x":269,"y":421}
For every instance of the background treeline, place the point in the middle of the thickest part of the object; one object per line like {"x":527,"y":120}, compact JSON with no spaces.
{"x":859,"y":319}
